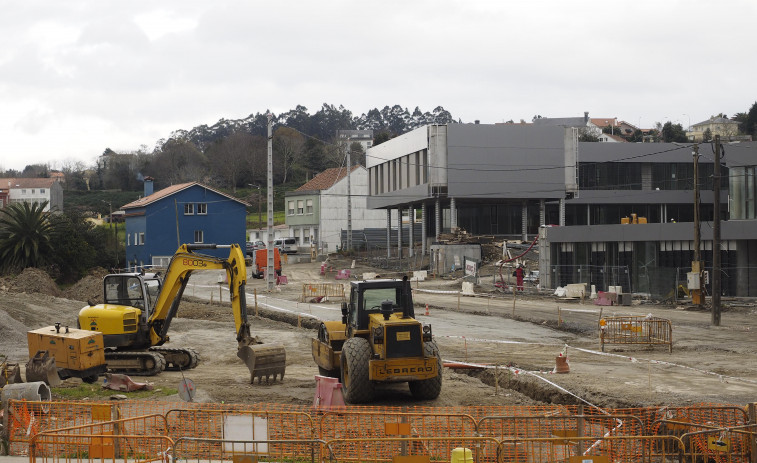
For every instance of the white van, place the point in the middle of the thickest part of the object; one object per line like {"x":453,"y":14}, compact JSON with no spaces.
{"x":286,"y":245}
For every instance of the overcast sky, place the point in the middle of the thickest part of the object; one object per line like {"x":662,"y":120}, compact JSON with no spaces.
{"x":77,"y":77}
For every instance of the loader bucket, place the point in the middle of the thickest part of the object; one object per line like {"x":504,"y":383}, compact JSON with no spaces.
{"x":263,"y":360}
{"x":10,"y":373}
{"x":42,"y":367}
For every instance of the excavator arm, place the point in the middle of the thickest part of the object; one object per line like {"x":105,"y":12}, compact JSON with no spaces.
{"x":262,"y":361}
{"x":182,"y":264}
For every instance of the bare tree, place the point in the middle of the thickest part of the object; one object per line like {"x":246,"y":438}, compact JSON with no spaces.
{"x":288,"y":145}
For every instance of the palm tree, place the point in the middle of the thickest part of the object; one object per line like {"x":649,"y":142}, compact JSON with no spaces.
{"x":24,"y":236}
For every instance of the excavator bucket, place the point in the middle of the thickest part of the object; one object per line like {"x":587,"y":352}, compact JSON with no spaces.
{"x":10,"y":373}
{"x":263,"y":360}
{"x":42,"y":367}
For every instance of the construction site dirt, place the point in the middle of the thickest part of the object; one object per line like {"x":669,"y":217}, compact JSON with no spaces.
{"x":503,"y":346}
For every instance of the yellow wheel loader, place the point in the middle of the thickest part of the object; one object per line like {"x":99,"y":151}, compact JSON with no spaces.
{"x":138,"y":309}
{"x":379,"y":341}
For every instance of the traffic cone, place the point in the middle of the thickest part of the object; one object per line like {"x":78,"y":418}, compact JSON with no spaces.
{"x":426,"y":309}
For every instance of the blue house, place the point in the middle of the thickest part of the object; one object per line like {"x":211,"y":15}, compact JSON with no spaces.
{"x":158,"y":223}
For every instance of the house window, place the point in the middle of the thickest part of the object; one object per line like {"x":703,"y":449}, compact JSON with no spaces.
{"x":309,"y":206}
{"x":290,"y":209}
{"x":142,"y":238}
{"x":33,"y":191}
{"x":202,"y":209}
{"x":189,"y":209}
{"x":306,"y":235}
{"x":128,"y":239}
{"x":23,"y":191}
{"x":42,"y":190}
{"x":199,"y":236}
{"x":300,"y":209}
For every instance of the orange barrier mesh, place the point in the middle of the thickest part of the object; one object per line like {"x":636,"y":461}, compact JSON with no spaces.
{"x":592,"y":449}
{"x":351,"y":424}
{"x":247,"y":451}
{"x":483,"y":449}
{"x":635,"y":330}
{"x":720,"y":445}
{"x":328,"y":290}
{"x":216,"y":425}
{"x":87,"y":447}
{"x":514,"y":425}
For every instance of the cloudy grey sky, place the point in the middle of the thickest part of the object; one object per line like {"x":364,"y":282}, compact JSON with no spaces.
{"x":79,"y":76}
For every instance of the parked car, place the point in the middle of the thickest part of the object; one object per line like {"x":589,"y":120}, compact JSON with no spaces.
{"x":286,"y":245}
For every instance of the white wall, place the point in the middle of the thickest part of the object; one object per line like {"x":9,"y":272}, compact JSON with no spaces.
{"x":334,"y":209}
{"x":410,"y":142}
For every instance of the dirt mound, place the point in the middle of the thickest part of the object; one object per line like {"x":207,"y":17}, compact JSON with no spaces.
{"x":89,"y":288}
{"x":34,"y":280}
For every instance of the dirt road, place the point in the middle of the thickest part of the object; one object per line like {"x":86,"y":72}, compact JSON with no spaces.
{"x":708,"y":364}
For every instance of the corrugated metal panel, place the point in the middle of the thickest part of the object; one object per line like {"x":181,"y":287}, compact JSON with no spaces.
{"x":376,"y":237}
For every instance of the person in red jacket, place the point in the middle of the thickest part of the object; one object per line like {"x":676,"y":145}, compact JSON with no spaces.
{"x":519,"y":274}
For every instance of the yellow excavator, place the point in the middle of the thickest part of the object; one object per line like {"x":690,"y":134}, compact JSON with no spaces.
{"x":138,"y":309}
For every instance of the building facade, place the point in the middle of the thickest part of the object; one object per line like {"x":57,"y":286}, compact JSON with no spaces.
{"x":316,"y":213}
{"x":32,"y":190}
{"x":158,"y":223}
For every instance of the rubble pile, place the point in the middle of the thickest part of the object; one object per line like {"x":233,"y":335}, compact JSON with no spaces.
{"x":34,"y":280}
{"x":89,"y":288}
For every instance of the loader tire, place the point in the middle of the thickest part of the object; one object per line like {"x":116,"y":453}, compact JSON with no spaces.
{"x":429,"y":389}
{"x":356,"y":387}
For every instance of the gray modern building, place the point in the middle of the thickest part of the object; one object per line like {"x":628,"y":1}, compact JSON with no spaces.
{"x":520,"y":180}
{"x":487,"y":179}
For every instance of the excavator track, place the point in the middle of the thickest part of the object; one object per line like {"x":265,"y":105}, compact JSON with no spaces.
{"x":178,"y":358}
{"x":140,"y":363}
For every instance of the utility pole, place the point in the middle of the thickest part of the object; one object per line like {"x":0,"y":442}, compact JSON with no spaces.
{"x":697,"y":295}
{"x":716,"y":236}
{"x":269,"y":270}
{"x":349,"y":200}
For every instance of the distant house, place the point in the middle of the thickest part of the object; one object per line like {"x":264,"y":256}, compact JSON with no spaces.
{"x":722,"y":126}
{"x":32,"y":190}
{"x":610,"y":138}
{"x":316,"y":212}
{"x":185,"y":213}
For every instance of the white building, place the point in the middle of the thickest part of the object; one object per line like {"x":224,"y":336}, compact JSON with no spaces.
{"x":33,"y":190}
{"x":317,"y":211}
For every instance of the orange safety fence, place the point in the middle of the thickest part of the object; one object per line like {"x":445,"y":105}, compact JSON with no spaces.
{"x":354,"y":424}
{"x":605,"y":449}
{"x":203,"y":450}
{"x":411,"y":450}
{"x":288,"y":422}
{"x":635,"y":330}
{"x":230,"y":423}
{"x":55,"y":447}
{"x":567,"y":426}
{"x":734,"y":444}
{"x":147,"y":425}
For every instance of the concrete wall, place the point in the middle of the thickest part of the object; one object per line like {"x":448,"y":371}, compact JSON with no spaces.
{"x":443,"y":256}
{"x":334,"y":209}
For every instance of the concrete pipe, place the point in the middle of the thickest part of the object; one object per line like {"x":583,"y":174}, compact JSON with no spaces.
{"x":37,"y":391}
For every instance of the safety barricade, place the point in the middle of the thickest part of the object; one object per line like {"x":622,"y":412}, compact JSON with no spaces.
{"x":562,"y":426}
{"x":635,"y":330}
{"x":734,"y":444}
{"x":238,"y":424}
{"x":26,"y":418}
{"x":720,"y":416}
{"x":187,"y":449}
{"x":55,"y":447}
{"x":329,"y":291}
{"x":361,"y":424}
{"x":604,"y":449}
{"x":414,"y":449}
{"x":47,"y":443}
